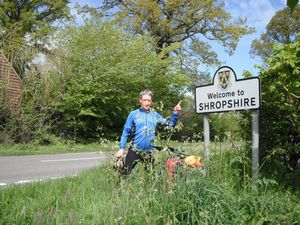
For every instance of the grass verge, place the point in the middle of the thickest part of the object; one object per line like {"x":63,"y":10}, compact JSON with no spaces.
{"x":109,"y":146}
{"x":31,"y":149}
{"x":220,"y":196}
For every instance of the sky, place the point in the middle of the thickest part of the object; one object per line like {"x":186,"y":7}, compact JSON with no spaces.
{"x":258,"y":14}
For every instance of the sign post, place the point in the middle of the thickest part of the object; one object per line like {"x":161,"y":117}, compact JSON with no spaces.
{"x":255,"y":147}
{"x":227,"y":93}
{"x":206,"y":137}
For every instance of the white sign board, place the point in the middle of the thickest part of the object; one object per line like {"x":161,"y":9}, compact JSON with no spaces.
{"x":227,"y":93}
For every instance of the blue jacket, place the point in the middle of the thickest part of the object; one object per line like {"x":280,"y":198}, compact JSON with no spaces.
{"x":140,"y":126}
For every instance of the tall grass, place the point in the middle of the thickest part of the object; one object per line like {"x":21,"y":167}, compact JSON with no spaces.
{"x":222,"y":195}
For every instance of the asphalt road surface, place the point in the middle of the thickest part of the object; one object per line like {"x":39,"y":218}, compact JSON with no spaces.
{"x":25,"y":169}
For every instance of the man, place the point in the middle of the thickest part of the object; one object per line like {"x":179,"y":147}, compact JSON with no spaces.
{"x":140,"y":126}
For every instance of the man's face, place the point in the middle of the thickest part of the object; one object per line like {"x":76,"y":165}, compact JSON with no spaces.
{"x":146,"y":102}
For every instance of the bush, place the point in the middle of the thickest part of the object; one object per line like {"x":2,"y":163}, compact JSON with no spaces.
{"x":280,"y":112}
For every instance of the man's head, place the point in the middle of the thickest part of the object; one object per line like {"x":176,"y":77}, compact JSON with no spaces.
{"x":146,"y":99}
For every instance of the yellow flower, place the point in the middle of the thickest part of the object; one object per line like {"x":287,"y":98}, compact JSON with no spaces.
{"x":193,"y":161}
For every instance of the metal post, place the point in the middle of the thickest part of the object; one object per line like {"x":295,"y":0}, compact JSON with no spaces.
{"x":206,"y":137}
{"x":255,"y":147}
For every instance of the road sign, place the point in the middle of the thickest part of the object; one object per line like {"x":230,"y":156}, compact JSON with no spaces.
{"x":227,"y":93}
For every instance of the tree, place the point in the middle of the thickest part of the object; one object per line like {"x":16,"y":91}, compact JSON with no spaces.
{"x":282,"y":28}
{"x":292,"y":4}
{"x":279,"y":115}
{"x":191,"y":22}
{"x":105,"y":71}
{"x":27,"y":24}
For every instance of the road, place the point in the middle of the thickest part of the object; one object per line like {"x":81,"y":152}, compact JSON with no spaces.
{"x":25,"y":169}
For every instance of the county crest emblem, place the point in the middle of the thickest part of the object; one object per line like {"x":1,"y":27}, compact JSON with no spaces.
{"x":224,"y":79}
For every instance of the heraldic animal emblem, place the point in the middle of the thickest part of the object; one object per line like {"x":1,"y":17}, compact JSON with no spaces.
{"x":224,"y":79}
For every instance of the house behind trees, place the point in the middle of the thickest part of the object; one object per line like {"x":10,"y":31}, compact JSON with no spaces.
{"x":10,"y":85}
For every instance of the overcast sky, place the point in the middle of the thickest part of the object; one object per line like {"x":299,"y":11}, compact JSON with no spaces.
{"x":258,"y":14}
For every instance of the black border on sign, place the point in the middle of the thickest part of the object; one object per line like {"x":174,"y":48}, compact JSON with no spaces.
{"x":236,"y":80}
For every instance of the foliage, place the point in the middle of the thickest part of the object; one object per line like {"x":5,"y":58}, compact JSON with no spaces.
{"x":31,"y":16}
{"x":191,"y":123}
{"x":283,"y":28}
{"x":280,"y":109}
{"x":33,"y":122}
{"x":41,"y":95}
{"x":104,"y":73}
{"x":27,"y":25}
{"x":226,"y":126}
{"x":190,"y":22}
{"x":292,"y":4}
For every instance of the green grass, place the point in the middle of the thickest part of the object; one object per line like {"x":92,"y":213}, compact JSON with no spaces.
{"x":31,"y":149}
{"x":221,"y":196}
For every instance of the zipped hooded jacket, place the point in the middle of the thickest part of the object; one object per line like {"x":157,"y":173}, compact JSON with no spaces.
{"x":141,"y":126}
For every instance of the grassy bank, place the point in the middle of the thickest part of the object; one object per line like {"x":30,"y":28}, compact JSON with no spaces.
{"x":223,"y":195}
{"x":31,"y":149}
{"x":109,"y":146}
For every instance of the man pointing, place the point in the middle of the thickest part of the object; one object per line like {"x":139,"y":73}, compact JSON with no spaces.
{"x":140,"y":127}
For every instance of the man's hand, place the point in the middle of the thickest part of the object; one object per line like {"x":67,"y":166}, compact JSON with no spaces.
{"x":120,"y":153}
{"x":177,"y":108}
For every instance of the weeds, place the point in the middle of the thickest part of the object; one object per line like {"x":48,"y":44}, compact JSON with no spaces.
{"x":221,"y":196}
